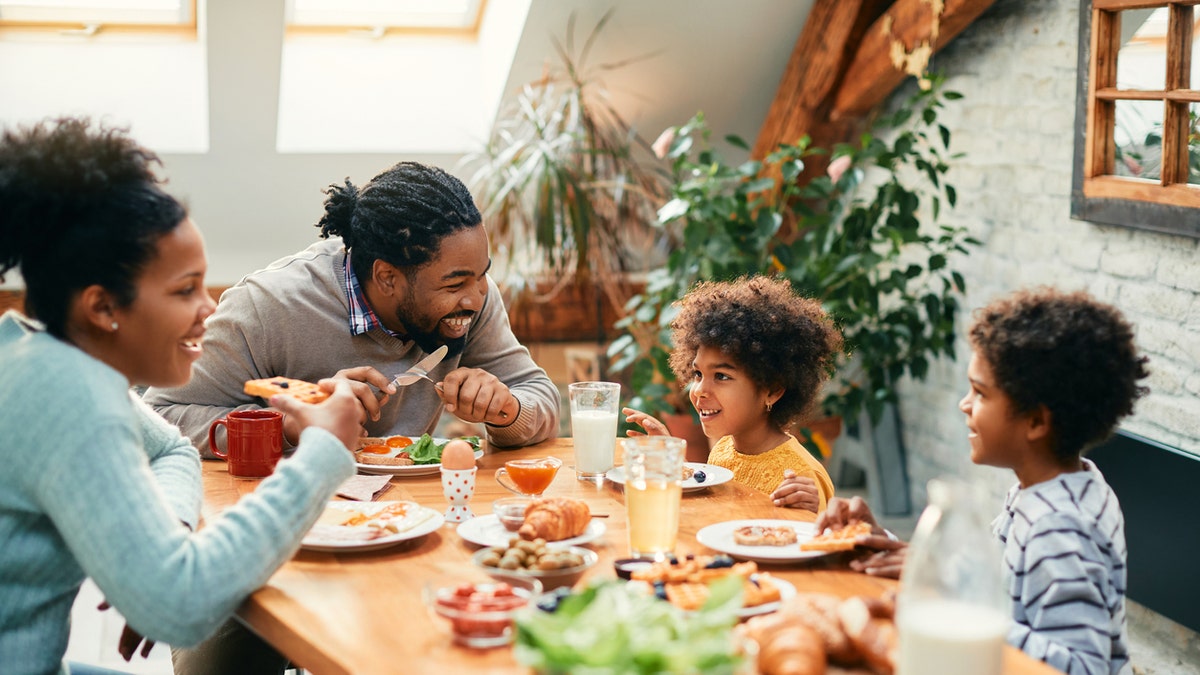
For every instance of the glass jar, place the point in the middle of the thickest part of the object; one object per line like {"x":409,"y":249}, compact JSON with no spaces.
{"x":952,"y":612}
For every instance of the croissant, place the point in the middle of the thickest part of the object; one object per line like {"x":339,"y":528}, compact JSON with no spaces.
{"x":785,"y":647}
{"x":554,"y":519}
{"x":873,"y":635}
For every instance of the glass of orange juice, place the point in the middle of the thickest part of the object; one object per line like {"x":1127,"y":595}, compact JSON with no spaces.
{"x":653,"y":477}
{"x":528,"y":477}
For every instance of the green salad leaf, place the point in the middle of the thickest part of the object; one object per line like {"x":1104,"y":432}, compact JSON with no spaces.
{"x":426,"y":451}
{"x":613,"y":628}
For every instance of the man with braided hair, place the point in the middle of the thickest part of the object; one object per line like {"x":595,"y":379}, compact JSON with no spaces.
{"x":401,"y":270}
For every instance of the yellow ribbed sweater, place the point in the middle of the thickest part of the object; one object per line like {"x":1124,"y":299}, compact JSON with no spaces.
{"x":765,"y":472}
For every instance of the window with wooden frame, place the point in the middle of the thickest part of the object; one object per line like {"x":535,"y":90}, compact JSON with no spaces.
{"x":1137,"y":149}
{"x":89,"y":17}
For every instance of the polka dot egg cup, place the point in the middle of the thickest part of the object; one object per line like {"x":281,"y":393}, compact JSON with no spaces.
{"x":458,"y":485}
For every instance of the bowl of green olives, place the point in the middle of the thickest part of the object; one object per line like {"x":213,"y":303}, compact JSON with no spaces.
{"x":554,"y":566}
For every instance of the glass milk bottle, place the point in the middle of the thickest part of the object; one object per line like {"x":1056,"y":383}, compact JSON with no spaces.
{"x":953,"y":611}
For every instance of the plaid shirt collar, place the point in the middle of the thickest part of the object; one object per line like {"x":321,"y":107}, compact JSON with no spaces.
{"x":362,"y":318}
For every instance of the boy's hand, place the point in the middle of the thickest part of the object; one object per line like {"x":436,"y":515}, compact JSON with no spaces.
{"x":341,"y":414}
{"x":841,"y":512}
{"x":884,"y":563}
{"x":797,"y":492}
{"x":652,"y":426}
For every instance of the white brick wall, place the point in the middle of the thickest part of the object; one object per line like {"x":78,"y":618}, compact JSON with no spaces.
{"x":1016,"y":68}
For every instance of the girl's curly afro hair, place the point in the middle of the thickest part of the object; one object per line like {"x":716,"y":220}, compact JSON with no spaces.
{"x":778,"y":338}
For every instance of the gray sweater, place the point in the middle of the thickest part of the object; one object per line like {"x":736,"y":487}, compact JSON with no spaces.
{"x":96,"y":485}
{"x":291,"y":320}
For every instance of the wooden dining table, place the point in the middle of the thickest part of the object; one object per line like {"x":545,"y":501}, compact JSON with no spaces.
{"x":361,"y":612}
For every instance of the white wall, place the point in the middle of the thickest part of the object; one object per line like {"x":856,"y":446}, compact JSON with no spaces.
{"x":1016,"y":68}
{"x":256,"y":204}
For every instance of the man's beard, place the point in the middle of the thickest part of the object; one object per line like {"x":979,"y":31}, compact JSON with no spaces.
{"x":429,"y":341}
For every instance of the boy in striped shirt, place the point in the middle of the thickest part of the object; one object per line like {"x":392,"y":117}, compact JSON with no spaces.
{"x":1050,"y":375}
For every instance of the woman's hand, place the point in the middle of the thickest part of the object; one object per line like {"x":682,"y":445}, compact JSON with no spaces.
{"x":797,"y":492}
{"x":130,"y":639}
{"x":340,"y":414}
{"x":652,"y":426}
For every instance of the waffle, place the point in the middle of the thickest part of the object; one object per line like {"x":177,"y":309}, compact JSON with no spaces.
{"x":837,"y":540}
{"x":305,"y":392}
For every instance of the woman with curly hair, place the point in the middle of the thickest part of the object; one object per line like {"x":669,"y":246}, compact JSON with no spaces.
{"x":754,"y":356}
{"x":95,"y":485}
{"x":1051,"y":375}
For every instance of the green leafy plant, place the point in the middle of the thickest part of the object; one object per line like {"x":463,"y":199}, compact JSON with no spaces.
{"x":568,"y":189}
{"x":871,"y":252}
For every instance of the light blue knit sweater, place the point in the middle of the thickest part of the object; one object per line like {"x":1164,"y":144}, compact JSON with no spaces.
{"x":94,"y":484}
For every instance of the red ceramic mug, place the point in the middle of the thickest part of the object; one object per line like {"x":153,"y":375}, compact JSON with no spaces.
{"x":255,"y":440}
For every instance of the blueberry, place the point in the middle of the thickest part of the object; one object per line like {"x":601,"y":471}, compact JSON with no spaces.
{"x":699,"y":476}
{"x":719,"y":561}
{"x":549,"y":602}
{"x":660,"y":590}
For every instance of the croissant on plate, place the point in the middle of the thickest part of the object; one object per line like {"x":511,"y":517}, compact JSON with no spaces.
{"x":785,"y":646}
{"x":554,"y":519}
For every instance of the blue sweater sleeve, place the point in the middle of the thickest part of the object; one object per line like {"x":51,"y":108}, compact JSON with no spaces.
{"x":1064,"y":596}
{"x":173,"y":585}
{"x":174,"y":462}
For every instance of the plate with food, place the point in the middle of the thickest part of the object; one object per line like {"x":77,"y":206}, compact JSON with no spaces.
{"x":685,"y":583}
{"x":405,"y":455}
{"x":696,"y":476}
{"x":489,"y":531}
{"x":769,"y":541}
{"x":367,"y":526}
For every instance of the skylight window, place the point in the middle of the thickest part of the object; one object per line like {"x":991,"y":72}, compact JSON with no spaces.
{"x":97,"y":13}
{"x":382,"y":16}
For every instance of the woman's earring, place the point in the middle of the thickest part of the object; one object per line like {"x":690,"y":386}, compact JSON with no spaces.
{"x":769,"y":404}
{"x":114,"y":327}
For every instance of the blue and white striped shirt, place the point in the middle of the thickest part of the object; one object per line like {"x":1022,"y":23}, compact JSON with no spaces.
{"x":1064,"y":553}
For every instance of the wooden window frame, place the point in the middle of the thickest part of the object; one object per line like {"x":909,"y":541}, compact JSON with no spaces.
{"x":1169,"y":204}
{"x":89,"y":28}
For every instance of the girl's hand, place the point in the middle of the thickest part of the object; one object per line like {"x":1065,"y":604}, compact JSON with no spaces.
{"x":652,"y":426}
{"x":797,"y":492}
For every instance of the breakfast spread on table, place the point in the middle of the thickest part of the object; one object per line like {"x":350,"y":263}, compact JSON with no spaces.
{"x":305,"y":392}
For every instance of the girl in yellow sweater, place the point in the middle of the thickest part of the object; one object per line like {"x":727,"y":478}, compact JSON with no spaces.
{"x":753,"y":356}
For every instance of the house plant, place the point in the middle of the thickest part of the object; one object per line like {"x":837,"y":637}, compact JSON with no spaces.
{"x":567,"y":188}
{"x":872,"y":252}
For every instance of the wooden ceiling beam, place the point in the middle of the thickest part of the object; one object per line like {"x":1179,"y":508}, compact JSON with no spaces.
{"x":822,"y":53}
{"x":911,"y":25}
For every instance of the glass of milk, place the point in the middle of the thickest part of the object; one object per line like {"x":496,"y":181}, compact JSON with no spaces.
{"x":594,"y":407}
{"x":953,"y":611}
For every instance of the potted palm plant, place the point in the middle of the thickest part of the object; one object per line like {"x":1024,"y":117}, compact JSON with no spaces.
{"x":873,"y":253}
{"x":568,"y":190}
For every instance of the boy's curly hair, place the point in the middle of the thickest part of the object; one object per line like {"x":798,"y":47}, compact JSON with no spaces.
{"x":1068,"y":352}
{"x":779,"y":339}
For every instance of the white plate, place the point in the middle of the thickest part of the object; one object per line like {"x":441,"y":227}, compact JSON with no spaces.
{"x":714,"y":475}
{"x":487,"y":531}
{"x":786,"y":591}
{"x":719,"y":537}
{"x":425,"y":520}
{"x":411,"y":469}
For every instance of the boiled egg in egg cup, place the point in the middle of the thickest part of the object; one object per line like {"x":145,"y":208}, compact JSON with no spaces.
{"x":458,"y":479}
